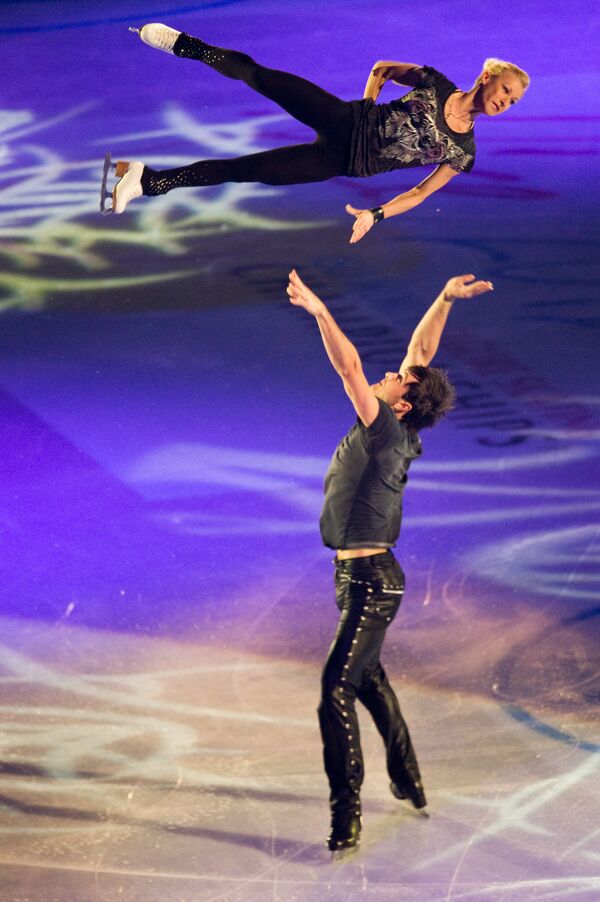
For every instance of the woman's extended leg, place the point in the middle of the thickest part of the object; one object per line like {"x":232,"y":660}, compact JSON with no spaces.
{"x":302,"y":99}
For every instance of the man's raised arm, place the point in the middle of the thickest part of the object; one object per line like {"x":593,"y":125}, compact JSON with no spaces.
{"x":426,"y":337}
{"x":340,"y":350}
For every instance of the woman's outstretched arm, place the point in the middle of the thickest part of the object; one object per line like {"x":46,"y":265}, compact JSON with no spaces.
{"x":364,"y":219}
{"x":387,"y":70}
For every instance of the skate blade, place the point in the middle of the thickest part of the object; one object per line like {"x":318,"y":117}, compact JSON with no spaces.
{"x":104,"y":193}
{"x":344,"y":854}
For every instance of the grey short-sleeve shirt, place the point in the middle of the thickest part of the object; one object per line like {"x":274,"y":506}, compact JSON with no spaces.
{"x":365,"y":483}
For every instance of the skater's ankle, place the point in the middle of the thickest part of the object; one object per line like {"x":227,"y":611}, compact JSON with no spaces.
{"x":148,"y":176}
{"x":181,"y":43}
{"x":188,"y":47}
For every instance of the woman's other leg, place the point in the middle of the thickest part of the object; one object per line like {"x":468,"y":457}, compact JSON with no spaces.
{"x":293,"y":165}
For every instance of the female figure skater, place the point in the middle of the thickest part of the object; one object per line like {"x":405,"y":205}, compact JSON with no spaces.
{"x":433,"y":123}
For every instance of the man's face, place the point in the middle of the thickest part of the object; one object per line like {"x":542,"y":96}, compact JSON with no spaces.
{"x":499,"y":92}
{"x":392,"y":389}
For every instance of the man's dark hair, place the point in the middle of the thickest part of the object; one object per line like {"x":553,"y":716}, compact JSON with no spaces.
{"x":431,"y":397}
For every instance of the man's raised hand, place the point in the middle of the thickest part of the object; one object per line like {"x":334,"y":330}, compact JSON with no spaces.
{"x":301,"y":296}
{"x":465,"y":287}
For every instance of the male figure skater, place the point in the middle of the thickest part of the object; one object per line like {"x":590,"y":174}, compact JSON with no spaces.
{"x":361,"y":521}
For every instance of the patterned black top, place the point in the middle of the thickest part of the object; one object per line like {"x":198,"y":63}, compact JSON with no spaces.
{"x":410,"y":131}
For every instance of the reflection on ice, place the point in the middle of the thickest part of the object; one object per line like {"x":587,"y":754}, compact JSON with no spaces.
{"x":551,"y":563}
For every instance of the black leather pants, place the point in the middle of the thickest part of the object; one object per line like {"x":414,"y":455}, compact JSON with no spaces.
{"x":368,"y":594}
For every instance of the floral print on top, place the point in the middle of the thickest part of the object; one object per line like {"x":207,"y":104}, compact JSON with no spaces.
{"x":410,"y":131}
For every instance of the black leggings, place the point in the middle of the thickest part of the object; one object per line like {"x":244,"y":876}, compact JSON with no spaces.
{"x":329,"y":116}
{"x":368,"y":594}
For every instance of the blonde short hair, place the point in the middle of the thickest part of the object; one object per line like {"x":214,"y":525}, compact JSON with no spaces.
{"x":495,"y":67}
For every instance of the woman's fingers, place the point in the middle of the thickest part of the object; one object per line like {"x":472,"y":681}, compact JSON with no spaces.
{"x":364,"y":221}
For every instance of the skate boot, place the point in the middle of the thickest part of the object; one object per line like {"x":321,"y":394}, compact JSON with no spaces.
{"x":410,"y":789}
{"x":345,"y":830}
{"x":161,"y":37}
{"x":129,"y":185}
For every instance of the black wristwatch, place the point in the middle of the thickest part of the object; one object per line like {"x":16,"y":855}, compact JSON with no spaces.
{"x":377,"y":214}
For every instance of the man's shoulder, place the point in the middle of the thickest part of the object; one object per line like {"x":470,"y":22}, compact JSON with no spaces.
{"x":384,"y":419}
{"x":386,"y":429}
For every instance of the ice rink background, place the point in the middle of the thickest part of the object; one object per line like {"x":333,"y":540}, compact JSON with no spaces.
{"x":166,"y":422}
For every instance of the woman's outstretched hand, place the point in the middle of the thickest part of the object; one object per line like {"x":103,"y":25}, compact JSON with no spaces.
{"x":363,"y":221}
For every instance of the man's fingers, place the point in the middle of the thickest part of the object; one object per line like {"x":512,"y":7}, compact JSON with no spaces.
{"x":467,"y":286}
{"x":296,"y":290}
{"x":479,"y":287}
{"x":296,"y":280}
